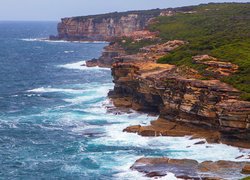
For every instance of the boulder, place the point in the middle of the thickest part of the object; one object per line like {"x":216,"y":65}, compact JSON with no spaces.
{"x":191,"y":169}
{"x":246,"y":169}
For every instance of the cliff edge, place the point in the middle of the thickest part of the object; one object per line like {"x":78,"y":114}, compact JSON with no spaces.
{"x":104,"y":27}
{"x":190,"y":65}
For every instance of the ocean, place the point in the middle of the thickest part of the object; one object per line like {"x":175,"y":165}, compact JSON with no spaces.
{"x":54,"y":122}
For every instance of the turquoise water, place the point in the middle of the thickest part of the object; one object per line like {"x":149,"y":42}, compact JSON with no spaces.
{"x":54,"y":122}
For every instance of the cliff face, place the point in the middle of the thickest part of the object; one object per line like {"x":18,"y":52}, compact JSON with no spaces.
{"x":108,"y":56}
{"x":104,"y":27}
{"x":209,"y":103}
{"x":181,"y":97}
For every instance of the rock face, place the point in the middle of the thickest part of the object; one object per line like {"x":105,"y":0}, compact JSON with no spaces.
{"x":104,"y":27}
{"x":181,"y":97}
{"x":191,"y":169}
{"x":108,"y":56}
{"x":161,"y":127}
{"x":216,"y":67}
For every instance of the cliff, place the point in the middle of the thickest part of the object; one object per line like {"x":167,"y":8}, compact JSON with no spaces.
{"x":204,"y":78}
{"x":198,"y":85}
{"x":180,"y":95}
{"x":104,"y":27}
{"x":207,"y":103}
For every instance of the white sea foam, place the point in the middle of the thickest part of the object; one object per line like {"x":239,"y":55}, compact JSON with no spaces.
{"x":48,"y":90}
{"x":81,"y":65}
{"x":173,"y":147}
{"x":129,"y":174}
{"x":67,"y":52}
{"x":16,"y":95}
{"x":62,"y":41}
{"x":80,"y":99}
{"x":91,"y":94}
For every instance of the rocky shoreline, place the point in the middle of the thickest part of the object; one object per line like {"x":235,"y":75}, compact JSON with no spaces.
{"x":187,"y":106}
{"x":191,"y":169}
{"x":181,"y":97}
{"x":187,"y":103}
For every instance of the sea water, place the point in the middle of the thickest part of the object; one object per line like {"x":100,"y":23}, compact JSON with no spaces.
{"x":54,"y":122}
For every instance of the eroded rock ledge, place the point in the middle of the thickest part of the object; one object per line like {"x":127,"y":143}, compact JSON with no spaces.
{"x":108,"y":56}
{"x":191,"y":169}
{"x":179,"y":96}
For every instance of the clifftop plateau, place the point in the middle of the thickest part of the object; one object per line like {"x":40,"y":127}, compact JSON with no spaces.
{"x":105,"y":26}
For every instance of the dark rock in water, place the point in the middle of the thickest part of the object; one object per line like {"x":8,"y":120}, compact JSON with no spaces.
{"x":161,"y":166}
{"x":239,"y":157}
{"x":191,"y":169}
{"x":51,"y":37}
{"x":156,"y":174}
{"x":93,"y":132}
{"x":108,"y":56}
{"x":132,"y":129}
{"x":92,"y":63}
{"x":200,"y":142}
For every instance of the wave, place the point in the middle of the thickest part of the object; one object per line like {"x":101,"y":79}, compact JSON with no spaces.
{"x":62,"y":41}
{"x":80,"y":99}
{"x":67,"y":52}
{"x":81,"y":65}
{"x":47,"y":90}
{"x":93,"y":93}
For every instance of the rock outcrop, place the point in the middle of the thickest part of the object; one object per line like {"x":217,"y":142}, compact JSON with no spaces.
{"x":108,"y":57}
{"x":106,"y":26}
{"x":215,"y":67}
{"x":181,"y":97}
{"x":191,"y":169}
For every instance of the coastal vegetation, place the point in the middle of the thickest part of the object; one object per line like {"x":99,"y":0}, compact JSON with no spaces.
{"x":219,"y":30}
{"x":247,"y":178}
{"x":117,"y":15}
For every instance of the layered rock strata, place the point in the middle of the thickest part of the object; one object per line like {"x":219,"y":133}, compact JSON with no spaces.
{"x":108,"y":57}
{"x":105,"y":27}
{"x":191,"y":169}
{"x":215,"y":66}
{"x":181,"y":97}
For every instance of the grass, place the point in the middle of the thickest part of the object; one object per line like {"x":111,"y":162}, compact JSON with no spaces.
{"x":247,"y":178}
{"x":220,"y":30}
{"x":132,"y":47}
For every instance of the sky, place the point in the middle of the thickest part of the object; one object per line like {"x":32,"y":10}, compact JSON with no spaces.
{"x":54,"y":10}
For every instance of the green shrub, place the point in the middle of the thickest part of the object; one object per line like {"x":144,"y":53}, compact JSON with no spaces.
{"x":220,"y":30}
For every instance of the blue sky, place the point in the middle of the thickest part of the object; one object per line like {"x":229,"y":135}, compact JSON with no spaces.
{"x":56,"y":9}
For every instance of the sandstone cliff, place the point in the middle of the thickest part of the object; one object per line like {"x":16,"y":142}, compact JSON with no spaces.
{"x":104,"y":27}
{"x":179,"y":95}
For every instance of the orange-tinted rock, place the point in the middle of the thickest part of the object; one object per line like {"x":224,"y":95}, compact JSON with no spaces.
{"x":217,"y":67}
{"x":122,"y":102}
{"x":246,"y":169}
{"x":132,"y":129}
{"x":182,"y":98}
{"x":104,"y":27}
{"x":163,"y":127}
{"x":191,"y":169}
